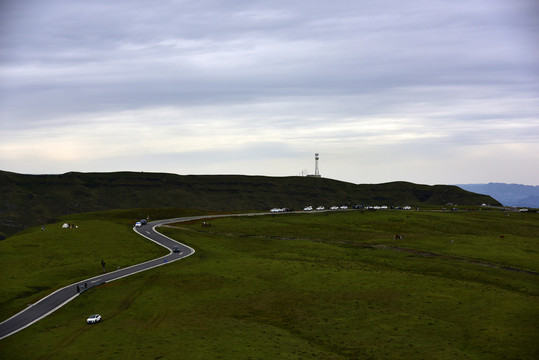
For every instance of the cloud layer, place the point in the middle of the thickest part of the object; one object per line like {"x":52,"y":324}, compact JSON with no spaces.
{"x":423,"y":91}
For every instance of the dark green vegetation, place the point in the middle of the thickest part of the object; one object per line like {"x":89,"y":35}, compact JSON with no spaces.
{"x":308,"y":286}
{"x":29,"y":200}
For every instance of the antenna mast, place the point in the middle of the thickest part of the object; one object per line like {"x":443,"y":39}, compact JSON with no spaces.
{"x":316,"y":170}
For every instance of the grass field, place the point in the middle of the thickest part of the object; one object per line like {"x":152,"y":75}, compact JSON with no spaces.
{"x":316,"y":286}
{"x":36,"y":262}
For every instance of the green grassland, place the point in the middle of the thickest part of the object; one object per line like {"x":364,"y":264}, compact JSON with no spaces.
{"x":36,"y":262}
{"x":299,"y":286}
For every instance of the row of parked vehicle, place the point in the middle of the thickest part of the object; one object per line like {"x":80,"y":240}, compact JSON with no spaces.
{"x":344,"y":207}
{"x":310,"y":208}
{"x":384,"y":207}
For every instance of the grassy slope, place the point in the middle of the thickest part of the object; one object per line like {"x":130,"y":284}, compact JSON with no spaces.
{"x":29,"y":200}
{"x":36,"y":262}
{"x":294,"y":286}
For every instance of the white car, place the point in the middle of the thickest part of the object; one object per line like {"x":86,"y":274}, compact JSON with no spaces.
{"x":344,"y":207}
{"x":334,"y":208}
{"x":308,"y":208}
{"x":138,"y":224}
{"x":94,"y":319}
{"x":320,"y":208}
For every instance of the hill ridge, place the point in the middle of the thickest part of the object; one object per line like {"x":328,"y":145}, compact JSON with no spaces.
{"x":29,"y":200}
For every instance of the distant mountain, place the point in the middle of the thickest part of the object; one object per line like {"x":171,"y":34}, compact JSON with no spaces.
{"x":507,"y":194}
{"x":28,"y":200}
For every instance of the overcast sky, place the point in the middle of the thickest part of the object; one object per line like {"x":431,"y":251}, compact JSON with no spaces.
{"x":432,"y":92}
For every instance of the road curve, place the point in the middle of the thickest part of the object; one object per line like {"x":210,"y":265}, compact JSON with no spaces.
{"x":60,"y":297}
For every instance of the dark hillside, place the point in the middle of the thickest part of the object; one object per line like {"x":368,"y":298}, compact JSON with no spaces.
{"x":28,"y":200}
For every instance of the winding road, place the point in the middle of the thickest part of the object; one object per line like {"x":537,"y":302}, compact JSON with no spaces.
{"x":60,"y":297}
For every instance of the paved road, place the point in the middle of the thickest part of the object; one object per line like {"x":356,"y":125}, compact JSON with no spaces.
{"x":57,"y":299}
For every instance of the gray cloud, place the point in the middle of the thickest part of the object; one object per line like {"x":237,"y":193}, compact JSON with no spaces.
{"x":342,"y":78}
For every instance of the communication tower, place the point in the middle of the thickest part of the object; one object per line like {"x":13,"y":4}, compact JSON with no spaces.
{"x":316,"y":170}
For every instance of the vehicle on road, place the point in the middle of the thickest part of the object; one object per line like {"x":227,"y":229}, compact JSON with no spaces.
{"x":334,"y":208}
{"x":138,"y":224}
{"x":320,"y":208}
{"x":281,"y":210}
{"x":94,"y":319}
{"x":308,"y":208}
{"x":176,"y":249}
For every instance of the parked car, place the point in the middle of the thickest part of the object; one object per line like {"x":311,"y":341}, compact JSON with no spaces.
{"x":320,"y":208}
{"x":334,"y":208}
{"x":138,"y":224}
{"x":344,"y":207}
{"x":94,"y":319}
{"x":308,"y":208}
